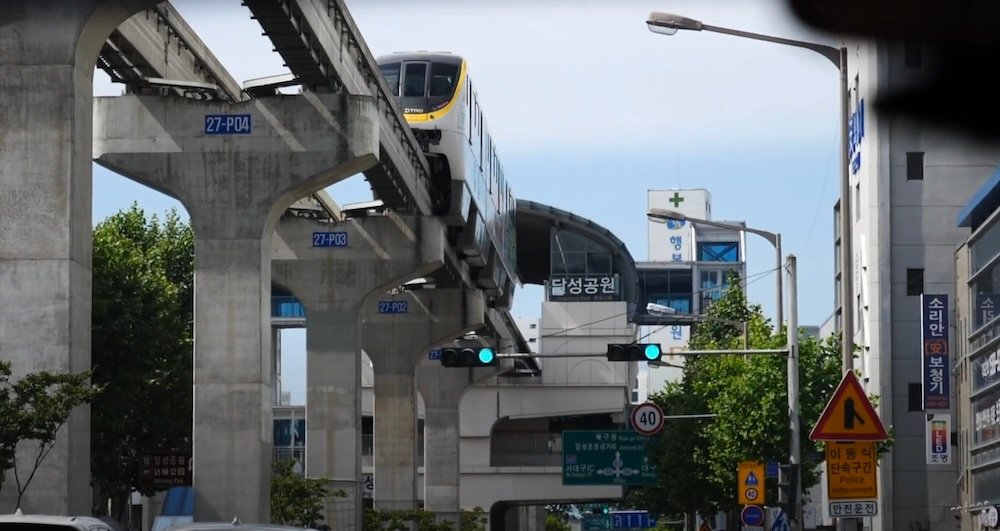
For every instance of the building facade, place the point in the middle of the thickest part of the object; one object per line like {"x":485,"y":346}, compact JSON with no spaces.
{"x":977,"y":359}
{"x":688,"y":267}
{"x":907,"y":182}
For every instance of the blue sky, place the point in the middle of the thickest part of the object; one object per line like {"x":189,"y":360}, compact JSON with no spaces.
{"x":589,"y":110}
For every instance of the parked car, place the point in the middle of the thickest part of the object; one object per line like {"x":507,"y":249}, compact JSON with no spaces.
{"x":235,"y":525}
{"x":46,"y":522}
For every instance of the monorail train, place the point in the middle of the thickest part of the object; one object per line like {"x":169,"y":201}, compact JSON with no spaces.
{"x":440,"y":103}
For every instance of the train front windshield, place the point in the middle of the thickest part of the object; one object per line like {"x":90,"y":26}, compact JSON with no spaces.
{"x":422,"y":86}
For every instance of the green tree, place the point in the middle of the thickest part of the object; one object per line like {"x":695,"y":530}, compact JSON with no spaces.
{"x":556,"y":522}
{"x":33,"y":408}
{"x":421,"y":520}
{"x":748,"y":394}
{"x":142,"y":346}
{"x":297,"y":500}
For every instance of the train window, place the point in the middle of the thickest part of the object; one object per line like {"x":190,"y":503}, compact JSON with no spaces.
{"x":390,"y":72}
{"x":443,"y":77}
{"x":414,"y":80}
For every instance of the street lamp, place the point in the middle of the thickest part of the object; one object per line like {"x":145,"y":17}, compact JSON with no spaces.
{"x":669,"y":24}
{"x":660,"y":310}
{"x":772,"y":237}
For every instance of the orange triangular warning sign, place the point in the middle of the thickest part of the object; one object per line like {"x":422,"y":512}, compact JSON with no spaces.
{"x":849,"y":415}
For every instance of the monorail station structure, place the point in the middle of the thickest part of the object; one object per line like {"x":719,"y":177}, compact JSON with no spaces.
{"x":429,"y":262}
{"x":236,"y":159}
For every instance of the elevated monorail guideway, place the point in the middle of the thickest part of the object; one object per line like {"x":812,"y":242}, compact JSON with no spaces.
{"x":323,"y":48}
{"x":157,"y":49}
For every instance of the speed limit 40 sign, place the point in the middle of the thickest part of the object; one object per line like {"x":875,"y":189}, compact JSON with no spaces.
{"x":647,"y":419}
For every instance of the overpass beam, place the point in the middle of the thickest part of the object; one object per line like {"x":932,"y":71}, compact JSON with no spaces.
{"x":236,"y":167}
{"x":396,"y":343}
{"x":47,"y":53}
{"x":334,"y":284}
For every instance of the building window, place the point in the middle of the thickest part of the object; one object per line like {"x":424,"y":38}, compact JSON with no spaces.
{"x":915,"y":397}
{"x":915,"y":166}
{"x":913,"y":54}
{"x":718,"y":252}
{"x":857,"y":202}
{"x":576,"y":255}
{"x":669,"y":287}
{"x":714,"y":283}
{"x":836,"y":221}
{"x":915,"y":281}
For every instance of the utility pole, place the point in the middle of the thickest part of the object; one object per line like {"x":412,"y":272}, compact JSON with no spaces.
{"x":794,"y":445}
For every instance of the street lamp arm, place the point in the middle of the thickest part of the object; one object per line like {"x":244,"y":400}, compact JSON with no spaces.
{"x":659,"y":213}
{"x":831,"y":53}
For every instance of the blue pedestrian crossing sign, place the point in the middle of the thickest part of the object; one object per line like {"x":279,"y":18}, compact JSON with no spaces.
{"x":750,"y":486}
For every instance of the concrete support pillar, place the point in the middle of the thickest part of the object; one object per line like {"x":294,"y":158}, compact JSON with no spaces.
{"x":442,"y":389}
{"x":334,"y":284}
{"x":234,"y":185}
{"x":48,"y":49}
{"x":396,"y":343}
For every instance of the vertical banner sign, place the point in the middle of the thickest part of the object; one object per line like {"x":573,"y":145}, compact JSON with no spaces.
{"x":986,"y":308}
{"x":934,"y":337}
{"x":939,"y":439}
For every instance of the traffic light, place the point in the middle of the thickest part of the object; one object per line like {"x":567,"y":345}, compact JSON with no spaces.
{"x":469,"y":356}
{"x":634,"y":352}
{"x":788,"y":489}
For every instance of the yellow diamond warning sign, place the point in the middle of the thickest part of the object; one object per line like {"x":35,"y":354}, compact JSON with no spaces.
{"x":849,"y":415}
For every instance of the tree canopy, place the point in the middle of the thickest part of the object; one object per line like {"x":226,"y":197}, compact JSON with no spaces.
{"x":142,"y":344}
{"x":697,"y":458}
{"x":33,"y":408}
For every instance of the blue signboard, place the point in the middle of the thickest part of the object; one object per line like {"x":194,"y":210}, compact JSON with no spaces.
{"x":632,"y":520}
{"x":228,"y":124}
{"x":752,"y":515}
{"x":329,"y":239}
{"x":934,"y":337}
{"x":392,"y":307}
{"x":434,"y":355}
{"x":856,"y":133}
{"x":771,"y":469}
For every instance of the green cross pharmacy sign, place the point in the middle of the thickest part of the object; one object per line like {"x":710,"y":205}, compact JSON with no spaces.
{"x":606,"y":458}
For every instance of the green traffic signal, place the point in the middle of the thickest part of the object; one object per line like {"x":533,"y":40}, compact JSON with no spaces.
{"x":652,"y":351}
{"x":469,"y":356}
{"x":634,"y":352}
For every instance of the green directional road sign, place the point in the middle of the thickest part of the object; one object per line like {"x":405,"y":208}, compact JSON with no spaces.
{"x":596,"y":522}
{"x":606,"y":458}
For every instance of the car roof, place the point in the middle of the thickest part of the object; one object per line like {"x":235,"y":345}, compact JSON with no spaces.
{"x":80,"y":522}
{"x":238,"y":526}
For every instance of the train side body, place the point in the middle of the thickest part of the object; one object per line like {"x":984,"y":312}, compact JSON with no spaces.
{"x":440,"y":103}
